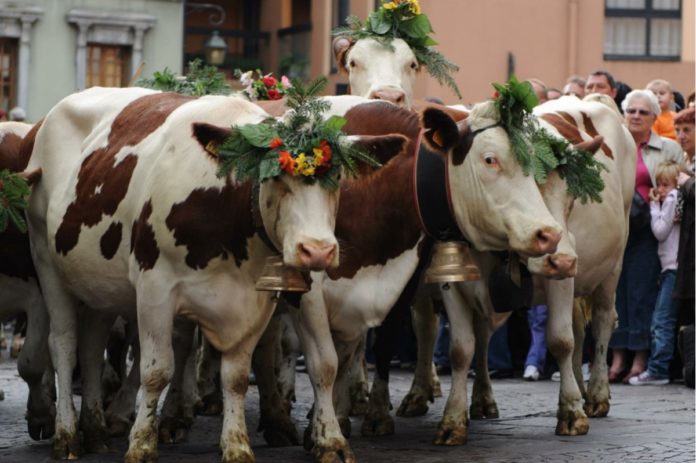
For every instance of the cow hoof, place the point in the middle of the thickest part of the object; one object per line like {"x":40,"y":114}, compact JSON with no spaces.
{"x":140,"y":456}
{"x":572,"y":424}
{"x":482,"y":411}
{"x":344,"y":424}
{"x":117,"y":425}
{"x":358,"y":401}
{"x":307,"y":441}
{"x":210,"y":405}
{"x":377,"y":425}
{"x":66,"y":447}
{"x":437,"y":389}
{"x":238,"y":454}
{"x":95,"y":440}
{"x":174,"y":430}
{"x":336,"y":453}
{"x":451,"y":434}
{"x":413,"y":405}
{"x":280,"y":432}
{"x":40,"y":427}
{"x":597,"y":410}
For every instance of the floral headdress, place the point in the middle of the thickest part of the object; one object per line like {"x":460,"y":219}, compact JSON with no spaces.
{"x":265,"y":87}
{"x":303,"y":144}
{"x":14,"y":190}
{"x":200,"y":80}
{"x":403,"y":19}
{"x":538,"y":151}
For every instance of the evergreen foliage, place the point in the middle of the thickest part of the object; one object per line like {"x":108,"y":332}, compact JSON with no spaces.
{"x":14,"y":192}
{"x":200,"y":80}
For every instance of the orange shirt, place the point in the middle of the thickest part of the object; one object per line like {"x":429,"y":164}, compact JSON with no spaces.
{"x":664,"y":125}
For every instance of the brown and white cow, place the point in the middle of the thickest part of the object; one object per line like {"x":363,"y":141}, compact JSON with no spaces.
{"x":494,"y":204}
{"x":596,"y":234}
{"x":20,"y":292}
{"x":130,"y":217}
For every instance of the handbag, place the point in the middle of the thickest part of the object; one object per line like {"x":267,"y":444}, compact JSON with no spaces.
{"x":640,"y":212}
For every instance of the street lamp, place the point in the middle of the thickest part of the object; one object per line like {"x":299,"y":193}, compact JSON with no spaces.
{"x":215,"y":49}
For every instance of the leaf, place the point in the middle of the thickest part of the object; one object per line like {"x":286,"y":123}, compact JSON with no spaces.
{"x":269,"y":168}
{"x":259,"y":135}
{"x":379,"y":24}
{"x":335,"y":123}
{"x":416,"y":27}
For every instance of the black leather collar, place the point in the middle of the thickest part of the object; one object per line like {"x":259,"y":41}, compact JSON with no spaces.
{"x":258,"y":221}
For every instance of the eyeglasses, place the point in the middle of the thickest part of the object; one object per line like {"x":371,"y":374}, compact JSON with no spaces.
{"x":642,"y":112}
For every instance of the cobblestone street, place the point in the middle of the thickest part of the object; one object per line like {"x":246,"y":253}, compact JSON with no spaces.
{"x":645,"y":424}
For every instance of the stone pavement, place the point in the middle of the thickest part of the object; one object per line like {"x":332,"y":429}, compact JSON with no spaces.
{"x":645,"y":424}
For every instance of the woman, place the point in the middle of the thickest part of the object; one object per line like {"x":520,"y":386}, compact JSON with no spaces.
{"x":684,"y":127}
{"x":637,"y":289}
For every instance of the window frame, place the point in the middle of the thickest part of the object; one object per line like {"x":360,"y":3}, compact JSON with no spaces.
{"x":11,"y":46}
{"x":648,"y":13}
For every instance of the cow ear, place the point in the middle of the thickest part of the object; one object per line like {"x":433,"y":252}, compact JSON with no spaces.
{"x":440,"y":129}
{"x":341,"y":45}
{"x":381,"y":147}
{"x":210,"y":137}
{"x":31,"y":176}
{"x":590,"y":145}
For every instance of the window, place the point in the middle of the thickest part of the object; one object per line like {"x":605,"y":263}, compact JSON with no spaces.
{"x":107,"y":66}
{"x":8,"y":70}
{"x":341,"y":10}
{"x":642,"y":30}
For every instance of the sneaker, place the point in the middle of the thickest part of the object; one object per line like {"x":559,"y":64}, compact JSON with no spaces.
{"x":556,"y":376}
{"x":531,"y":373}
{"x":585,"y":372}
{"x":645,"y":379}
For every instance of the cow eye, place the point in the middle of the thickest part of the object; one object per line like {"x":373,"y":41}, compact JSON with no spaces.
{"x":414,"y":65}
{"x":352,"y":63}
{"x":491,"y":160}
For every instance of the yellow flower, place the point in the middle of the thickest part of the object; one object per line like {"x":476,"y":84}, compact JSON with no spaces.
{"x":308,"y":171}
{"x":414,"y":7}
{"x":390,"y":5}
{"x":318,"y":156}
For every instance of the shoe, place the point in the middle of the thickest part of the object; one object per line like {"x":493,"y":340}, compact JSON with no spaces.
{"x":503,"y":373}
{"x":556,"y":376}
{"x":630,"y":375}
{"x":585,"y":372}
{"x":614,"y":377}
{"x":531,"y":373}
{"x":646,"y":379}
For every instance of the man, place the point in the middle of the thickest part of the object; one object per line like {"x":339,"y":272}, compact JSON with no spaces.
{"x":601,"y":82}
{"x":575,"y":85}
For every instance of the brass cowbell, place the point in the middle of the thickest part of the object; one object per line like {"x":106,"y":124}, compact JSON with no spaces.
{"x":276,"y":276}
{"x":451,"y":262}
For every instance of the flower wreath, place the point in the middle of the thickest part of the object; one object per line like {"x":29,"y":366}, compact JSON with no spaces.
{"x":538,"y":151}
{"x":304,"y":144}
{"x":403,"y":19}
{"x":265,"y":87}
{"x":14,"y":190}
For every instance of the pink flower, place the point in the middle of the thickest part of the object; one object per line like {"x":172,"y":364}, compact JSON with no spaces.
{"x":285,"y":81}
{"x":269,"y":81}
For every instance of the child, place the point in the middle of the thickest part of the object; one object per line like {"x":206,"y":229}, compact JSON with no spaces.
{"x":663,"y":200}
{"x":664,"y":124}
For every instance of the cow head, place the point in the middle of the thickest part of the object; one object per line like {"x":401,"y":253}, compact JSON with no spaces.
{"x":377,"y":71}
{"x":495,"y":204}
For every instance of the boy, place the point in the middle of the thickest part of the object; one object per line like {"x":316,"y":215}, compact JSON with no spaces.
{"x":663,"y":200}
{"x":664,"y":124}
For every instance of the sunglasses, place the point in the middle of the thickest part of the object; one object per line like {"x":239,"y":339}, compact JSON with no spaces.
{"x":642,"y":112}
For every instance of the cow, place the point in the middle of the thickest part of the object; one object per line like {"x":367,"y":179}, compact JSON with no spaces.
{"x":596,"y":235}
{"x":131,"y":218}
{"x":20,"y":292}
{"x":379,"y":259}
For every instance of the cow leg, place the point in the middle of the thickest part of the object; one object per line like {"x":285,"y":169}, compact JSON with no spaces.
{"x":278,"y":429}
{"x":454,"y":426}
{"x":559,"y":335}
{"x":483,"y":404}
{"x":120,"y":412}
{"x":94,"y":335}
{"x":358,"y":385}
{"x":177,"y":411}
{"x":35,"y":368}
{"x":579,"y":338}
{"x":425,"y":322}
{"x":208,"y":380}
{"x":323,"y":436}
{"x":603,"y":321}
{"x":286,"y":362}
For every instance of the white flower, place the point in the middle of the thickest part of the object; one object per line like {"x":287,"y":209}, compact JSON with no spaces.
{"x":246,"y":78}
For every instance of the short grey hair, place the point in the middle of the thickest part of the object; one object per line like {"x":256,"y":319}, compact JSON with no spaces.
{"x":644,"y":95}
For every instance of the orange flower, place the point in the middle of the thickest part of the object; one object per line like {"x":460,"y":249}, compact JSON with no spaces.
{"x":326,"y":148}
{"x":276,"y":142}
{"x":287,"y":163}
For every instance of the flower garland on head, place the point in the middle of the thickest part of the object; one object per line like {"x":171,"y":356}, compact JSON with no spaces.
{"x":200,"y":80}
{"x":538,"y":151}
{"x":303,"y":144}
{"x":14,"y":191}
{"x":403,"y":19}
{"x":265,"y":87}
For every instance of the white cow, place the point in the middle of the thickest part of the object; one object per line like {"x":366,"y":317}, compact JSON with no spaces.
{"x":596,"y":234}
{"x":20,"y":292}
{"x":130,"y":217}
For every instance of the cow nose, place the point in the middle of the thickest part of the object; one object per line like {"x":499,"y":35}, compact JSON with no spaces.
{"x":562,"y":265}
{"x":392,"y":95}
{"x":315,"y":256}
{"x":547,"y":240}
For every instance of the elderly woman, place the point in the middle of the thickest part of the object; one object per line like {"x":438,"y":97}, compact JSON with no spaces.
{"x":684,"y":127}
{"x":637,"y":289}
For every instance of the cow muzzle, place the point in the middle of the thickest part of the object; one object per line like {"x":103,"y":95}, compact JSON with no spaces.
{"x":554,"y":266}
{"x":392,"y":95}
{"x":316,"y":256}
{"x":546,"y":240}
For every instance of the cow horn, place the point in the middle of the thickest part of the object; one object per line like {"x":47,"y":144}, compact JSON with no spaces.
{"x":31,"y":176}
{"x":590,"y":145}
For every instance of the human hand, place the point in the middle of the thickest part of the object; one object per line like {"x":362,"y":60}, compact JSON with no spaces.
{"x":654,"y":195}
{"x":683,"y":177}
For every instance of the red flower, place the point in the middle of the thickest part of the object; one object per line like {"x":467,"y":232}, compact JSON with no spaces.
{"x":324,"y":146}
{"x":274,"y":94}
{"x":269,"y":81}
{"x":276,"y":142}
{"x":287,"y":163}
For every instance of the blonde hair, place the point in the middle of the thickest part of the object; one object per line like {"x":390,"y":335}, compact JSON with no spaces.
{"x":667,"y":171}
{"x":659,"y":82}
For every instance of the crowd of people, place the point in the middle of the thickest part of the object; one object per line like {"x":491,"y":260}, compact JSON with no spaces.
{"x":655,"y":295}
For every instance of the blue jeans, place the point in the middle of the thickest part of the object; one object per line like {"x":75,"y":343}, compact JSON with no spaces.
{"x":636,"y":292}
{"x":442,"y":345}
{"x":662,"y":329}
{"x":536,"y":318}
{"x":499,"y":357}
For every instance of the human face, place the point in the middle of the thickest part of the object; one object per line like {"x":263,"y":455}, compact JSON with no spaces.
{"x":573,"y":88}
{"x":665,"y":186}
{"x":639,"y":119}
{"x":663,"y":94}
{"x":599,"y":84}
{"x":685,"y":137}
